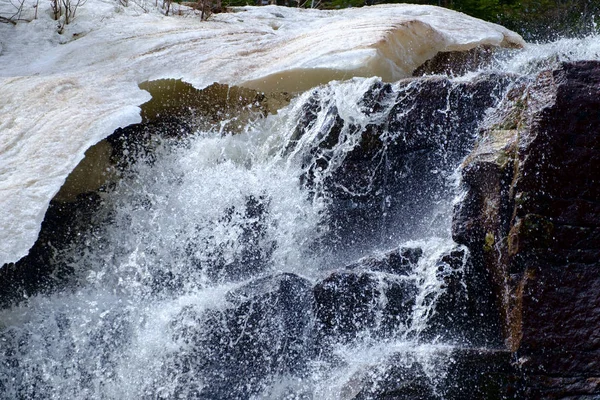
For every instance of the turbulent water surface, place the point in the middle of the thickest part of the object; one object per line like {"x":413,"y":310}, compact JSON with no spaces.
{"x":199,"y":274}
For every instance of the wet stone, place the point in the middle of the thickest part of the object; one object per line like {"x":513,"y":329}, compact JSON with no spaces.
{"x":465,"y":313}
{"x":481,"y":374}
{"x":265,"y":328}
{"x":400,"y":261}
{"x":349,"y":302}
{"x":381,"y":172}
{"x":532,"y":225}
{"x":401,"y":377}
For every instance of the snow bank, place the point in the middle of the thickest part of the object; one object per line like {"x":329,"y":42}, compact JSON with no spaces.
{"x":59,"y":94}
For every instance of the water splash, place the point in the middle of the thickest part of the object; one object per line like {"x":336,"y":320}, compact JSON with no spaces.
{"x":536,"y":58}
{"x":181,"y":288}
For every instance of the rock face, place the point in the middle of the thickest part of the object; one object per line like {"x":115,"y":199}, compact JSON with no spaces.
{"x":266,"y":327}
{"x":531,"y":218}
{"x":465,"y":312}
{"x":381,"y":174}
{"x":456,"y":62}
{"x":349,"y":302}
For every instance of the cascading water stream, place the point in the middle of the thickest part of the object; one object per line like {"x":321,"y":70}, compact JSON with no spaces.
{"x":306,"y":257}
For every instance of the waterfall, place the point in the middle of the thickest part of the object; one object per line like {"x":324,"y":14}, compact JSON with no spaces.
{"x":307,"y":256}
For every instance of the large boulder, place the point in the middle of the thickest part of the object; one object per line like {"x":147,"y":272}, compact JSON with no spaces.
{"x":531,"y":218}
{"x":349,"y":303}
{"x":381,"y":173}
{"x":265,"y":330}
{"x":465,"y":313}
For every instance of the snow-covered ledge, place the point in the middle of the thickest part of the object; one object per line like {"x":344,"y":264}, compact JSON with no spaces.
{"x":60,"y":94}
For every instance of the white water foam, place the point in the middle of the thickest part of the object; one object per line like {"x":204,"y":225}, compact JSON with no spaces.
{"x":118,"y":331}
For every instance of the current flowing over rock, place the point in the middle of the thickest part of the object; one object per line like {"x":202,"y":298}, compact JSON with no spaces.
{"x":308,"y":256}
{"x":230,"y":266}
{"x":96,"y":64}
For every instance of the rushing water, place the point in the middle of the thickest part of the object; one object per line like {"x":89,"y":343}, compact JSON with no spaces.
{"x":198,"y":276}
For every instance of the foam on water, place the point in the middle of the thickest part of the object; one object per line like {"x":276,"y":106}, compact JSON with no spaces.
{"x":535,"y":58}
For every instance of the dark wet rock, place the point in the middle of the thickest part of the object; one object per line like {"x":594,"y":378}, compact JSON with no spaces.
{"x":401,"y":377}
{"x":465,"y":311}
{"x":453,"y":314}
{"x":457,"y":62}
{"x":481,"y":374}
{"x":43,"y":270}
{"x":441,"y":374}
{"x":531,"y":219}
{"x":350,"y":302}
{"x":399,"y":261}
{"x":265,"y":330}
{"x":386,"y":182}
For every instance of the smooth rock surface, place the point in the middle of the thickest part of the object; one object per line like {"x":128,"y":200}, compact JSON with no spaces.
{"x":348,"y":303}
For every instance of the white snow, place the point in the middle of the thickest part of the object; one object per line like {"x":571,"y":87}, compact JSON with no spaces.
{"x":61,"y":93}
